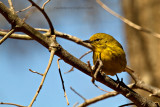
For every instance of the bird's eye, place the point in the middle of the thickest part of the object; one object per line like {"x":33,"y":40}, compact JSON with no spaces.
{"x":97,"y":39}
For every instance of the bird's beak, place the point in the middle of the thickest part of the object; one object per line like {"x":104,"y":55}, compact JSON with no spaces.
{"x":87,"y":41}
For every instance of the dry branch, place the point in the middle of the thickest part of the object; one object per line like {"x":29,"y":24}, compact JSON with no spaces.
{"x":12,"y":104}
{"x":53,"y":50}
{"x":45,"y":14}
{"x":13,"y":19}
{"x":7,"y":35}
{"x":65,"y":95}
{"x":128,"y":22}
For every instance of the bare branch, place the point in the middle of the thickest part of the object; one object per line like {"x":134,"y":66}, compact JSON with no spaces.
{"x":139,"y":84}
{"x":24,"y":9}
{"x":7,"y":35}
{"x":12,"y":104}
{"x":78,"y":93}
{"x":72,"y":38}
{"x":127,"y":104}
{"x":45,"y":15}
{"x":11,"y":5}
{"x":128,"y":22}
{"x":79,"y":58}
{"x":75,"y":104}
{"x":36,"y":72}
{"x":70,"y":59}
{"x":23,"y":27}
{"x":98,"y":98}
{"x":53,"y":50}
{"x":65,"y":95}
{"x":45,"y":4}
{"x":57,"y":33}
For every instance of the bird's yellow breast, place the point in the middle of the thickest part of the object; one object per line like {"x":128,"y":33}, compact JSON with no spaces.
{"x":112,"y":57}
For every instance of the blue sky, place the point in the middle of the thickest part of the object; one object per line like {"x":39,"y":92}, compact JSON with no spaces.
{"x":79,"y":18}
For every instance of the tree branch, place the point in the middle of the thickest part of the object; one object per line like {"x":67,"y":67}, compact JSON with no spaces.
{"x":45,"y":14}
{"x":12,"y":104}
{"x":7,"y":35}
{"x":13,"y":19}
{"x":11,"y":5}
{"x":98,"y":98}
{"x":104,"y":79}
{"x":128,"y":22}
{"x":53,"y":50}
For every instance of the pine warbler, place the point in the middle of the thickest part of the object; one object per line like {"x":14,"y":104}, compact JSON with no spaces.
{"x":109,"y":51}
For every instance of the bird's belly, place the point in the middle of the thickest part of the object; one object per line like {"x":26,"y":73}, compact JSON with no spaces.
{"x":111,"y":68}
{"x":112,"y":62}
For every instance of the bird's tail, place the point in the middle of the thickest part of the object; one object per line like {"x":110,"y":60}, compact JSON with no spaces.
{"x":128,"y":69}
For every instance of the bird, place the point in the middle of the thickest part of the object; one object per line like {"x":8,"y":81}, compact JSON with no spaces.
{"x":110,"y":52}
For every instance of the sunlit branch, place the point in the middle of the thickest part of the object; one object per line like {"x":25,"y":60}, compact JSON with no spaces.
{"x":24,"y":9}
{"x":36,"y":72}
{"x":7,"y":35}
{"x":65,"y":95}
{"x":12,"y":104}
{"x":128,"y":22}
{"x":44,"y":76}
{"x":11,"y":5}
{"x":79,"y":58}
{"x":45,"y":15}
{"x":45,"y":4}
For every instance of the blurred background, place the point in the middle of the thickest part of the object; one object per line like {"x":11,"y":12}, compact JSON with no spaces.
{"x":80,"y":18}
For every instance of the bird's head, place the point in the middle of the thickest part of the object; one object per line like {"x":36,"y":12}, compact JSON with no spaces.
{"x":100,"y":40}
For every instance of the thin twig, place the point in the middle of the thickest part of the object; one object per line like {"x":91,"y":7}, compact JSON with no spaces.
{"x":79,"y":58}
{"x":45,"y":15}
{"x":57,"y":33}
{"x":24,"y":9}
{"x":98,"y":98}
{"x":45,"y":4}
{"x":72,"y":38}
{"x":44,"y":76}
{"x":75,"y":104}
{"x":11,"y":5}
{"x":139,"y":84}
{"x":78,"y":93}
{"x":97,"y":68}
{"x":65,"y":95}
{"x":7,"y":35}
{"x":68,"y":58}
{"x":85,"y":54}
{"x":36,"y":72}
{"x":128,"y":22}
{"x":102,"y":97}
{"x":127,"y":104}
{"x":3,"y":32}
{"x":12,"y":104}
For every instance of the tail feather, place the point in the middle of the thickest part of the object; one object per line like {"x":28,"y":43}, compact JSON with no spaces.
{"x":128,"y":69}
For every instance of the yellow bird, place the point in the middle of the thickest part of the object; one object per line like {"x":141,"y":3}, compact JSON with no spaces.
{"x":109,"y":51}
